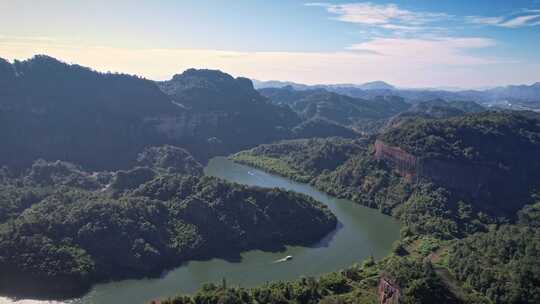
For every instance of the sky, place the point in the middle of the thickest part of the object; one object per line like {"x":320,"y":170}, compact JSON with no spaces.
{"x":457,"y":43}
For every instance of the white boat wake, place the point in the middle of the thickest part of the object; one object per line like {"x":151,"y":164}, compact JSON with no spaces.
{"x":285,"y":259}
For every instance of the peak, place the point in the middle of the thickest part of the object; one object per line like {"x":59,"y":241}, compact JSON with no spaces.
{"x":203,"y":73}
{"x":5,"y":65}
{"x":377,"y":85}
{"x":210,"y":78}
{"x":44,"y":59}
{"x":43,"y":62}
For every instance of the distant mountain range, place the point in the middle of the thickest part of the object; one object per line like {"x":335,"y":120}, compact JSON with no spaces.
{"x":374,"y":85}
{"x":369,"y":115}
{"x":520,"y":97}
{"x":365,"y":115}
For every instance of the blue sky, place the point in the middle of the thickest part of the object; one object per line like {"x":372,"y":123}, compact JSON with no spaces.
{"x":408,"y":43}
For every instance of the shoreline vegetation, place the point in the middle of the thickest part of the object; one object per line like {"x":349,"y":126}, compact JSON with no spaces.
{"x":101,"y":179}
{"x":65,"y":229}
{"x":454,"y":247}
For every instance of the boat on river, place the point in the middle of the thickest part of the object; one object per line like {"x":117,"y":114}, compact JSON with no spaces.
{"x":285,"y":259}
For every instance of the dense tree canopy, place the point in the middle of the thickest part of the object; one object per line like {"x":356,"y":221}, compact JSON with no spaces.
{"x":479,"y":255}
{"x":364,"y":115}
{"x":62,"y":229}
{"x":101,"y":121}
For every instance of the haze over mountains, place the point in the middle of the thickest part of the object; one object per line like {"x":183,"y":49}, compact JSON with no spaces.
{"x":49,"y":108}
{"x":511,"y":96}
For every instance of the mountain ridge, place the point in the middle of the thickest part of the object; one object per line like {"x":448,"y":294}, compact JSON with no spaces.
{"x":529,"y":95}
{"x":48,"y":107}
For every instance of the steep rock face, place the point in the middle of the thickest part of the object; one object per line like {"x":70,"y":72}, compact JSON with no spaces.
{"x":479,"y":181}
{"x":389,"y":292}
{"x":405,"y":162}
{"x":489,"y":158}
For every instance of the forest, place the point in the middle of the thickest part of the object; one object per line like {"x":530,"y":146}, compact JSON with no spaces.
{"x":101,"y":178}
{"x":58,"y":111}
{"x":64,"y":229}
{"x":477,"y":251}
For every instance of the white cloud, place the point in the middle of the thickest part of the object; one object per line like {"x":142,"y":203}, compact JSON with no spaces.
{"x":398,"y":20}
{"x":373,"y":14}
{"x":385,"y":16}
{"x":484,"y":20}
{"x":398,"y":27}
{"x":509,"y":22}
{"x":519,"y":21}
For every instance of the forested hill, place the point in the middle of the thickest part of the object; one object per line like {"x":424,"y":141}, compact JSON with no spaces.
{"x":435,"y":109}
{"x":203,"y":90}
{"x":491,"y":137}
{"x":361,"y":114}
{"x":63,"y":229}
{"x":225,"y":112}
{"x":53,"y":110}
{"x":492,"y":157}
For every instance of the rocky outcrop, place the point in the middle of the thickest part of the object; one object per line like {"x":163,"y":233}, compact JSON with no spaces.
{"x":405,"y":163}
{"x":389,"y":292}
{"x":482,"y":181}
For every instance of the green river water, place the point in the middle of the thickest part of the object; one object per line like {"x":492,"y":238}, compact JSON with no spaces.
{"x":361,"y":232}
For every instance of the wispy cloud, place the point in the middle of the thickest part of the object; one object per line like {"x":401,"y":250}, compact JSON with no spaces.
{"x":520,"y":21}
{"x":398,"y":20}
{"x":524,"y":18}
{"x":442,"y":51}
{"x":484,"y":20}
{"x":386,"y":16}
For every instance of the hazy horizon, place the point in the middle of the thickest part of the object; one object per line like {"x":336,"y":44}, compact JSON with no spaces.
{"x":409,"y":44}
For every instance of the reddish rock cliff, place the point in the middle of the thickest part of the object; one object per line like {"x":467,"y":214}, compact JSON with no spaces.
{"x":388,"y":291}
{"x":405,"y":163}
{"x":476,"y":180}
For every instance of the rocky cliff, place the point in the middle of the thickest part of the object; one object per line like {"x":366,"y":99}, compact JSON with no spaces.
{"x":479,"y":181}
{"x":405,"y":163}
{"x":389,"y":292}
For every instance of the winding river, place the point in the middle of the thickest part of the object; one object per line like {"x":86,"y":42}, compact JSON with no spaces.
{"x":361,"y":232}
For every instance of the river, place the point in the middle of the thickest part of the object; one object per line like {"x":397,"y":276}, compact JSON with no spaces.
{"x":361,"y":232}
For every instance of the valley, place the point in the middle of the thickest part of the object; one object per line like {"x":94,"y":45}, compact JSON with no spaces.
{"x":373,"y":233}
{"x":119,"y":189}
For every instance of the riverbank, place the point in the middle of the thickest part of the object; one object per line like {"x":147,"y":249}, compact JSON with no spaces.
{"x":362,"y":233}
